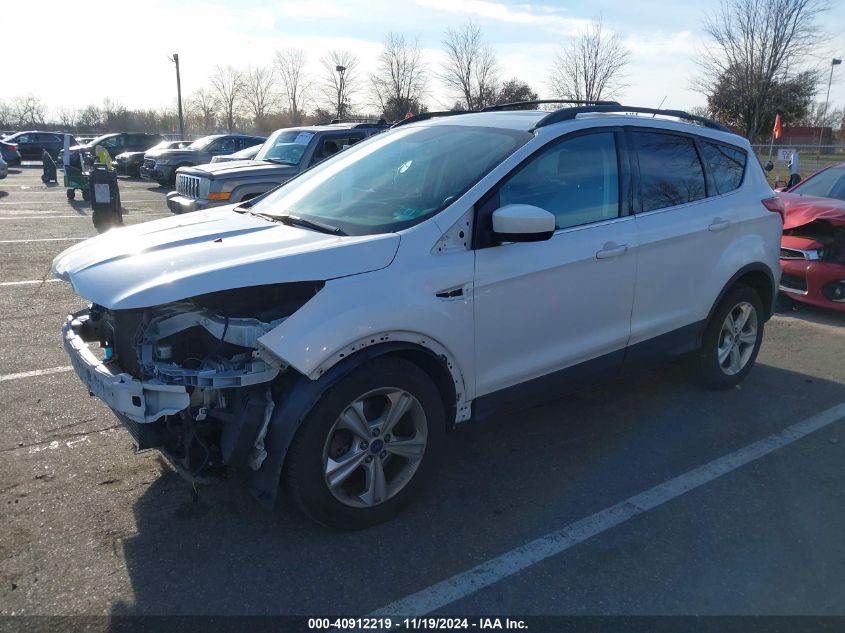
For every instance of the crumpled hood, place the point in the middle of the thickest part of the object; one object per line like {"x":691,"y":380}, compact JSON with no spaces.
{"x":187,"y":255}
{"x":241,"y":168}
{"x":801,"y":210}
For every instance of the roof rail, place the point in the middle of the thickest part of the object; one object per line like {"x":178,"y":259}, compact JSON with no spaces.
{"x":424,"y":116}
{"x":567,"y":114}
{"x":515,"y":104}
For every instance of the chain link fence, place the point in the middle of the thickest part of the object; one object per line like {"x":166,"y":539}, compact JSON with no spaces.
{"x":811,"y":158}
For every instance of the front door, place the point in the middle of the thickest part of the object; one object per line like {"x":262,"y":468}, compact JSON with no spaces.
{"x":541,"y":307}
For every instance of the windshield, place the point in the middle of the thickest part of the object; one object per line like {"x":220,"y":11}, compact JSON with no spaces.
{"x":829,"y":183}
{"x":393,"y":180}
{"x":100,"y":139}
{"x":201,"y":143}
{"x":285,"y":146}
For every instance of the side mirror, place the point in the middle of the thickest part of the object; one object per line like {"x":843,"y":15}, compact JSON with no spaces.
{"x":768,"y":166}
{"x":523,"y":223}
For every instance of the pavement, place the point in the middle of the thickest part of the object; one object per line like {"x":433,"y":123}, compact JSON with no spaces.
{"x":548,"y":511}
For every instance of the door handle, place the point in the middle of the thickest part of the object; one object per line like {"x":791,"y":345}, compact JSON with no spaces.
{"x":718,"y":225}
{"x":612,"y":251}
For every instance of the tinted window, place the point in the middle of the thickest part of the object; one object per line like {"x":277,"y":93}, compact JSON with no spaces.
{"x":726,"y":165}
{"x":577,"y":180}
{"x":670,"y":172}
{"x":224,"y":145}
{"x":112,"y":141}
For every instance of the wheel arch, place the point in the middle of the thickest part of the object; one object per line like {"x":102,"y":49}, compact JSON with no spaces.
{"x":296,"y":394}
{"x":758,"y":277}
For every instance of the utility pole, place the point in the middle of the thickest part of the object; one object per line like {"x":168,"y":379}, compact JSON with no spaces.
{"x":175,"y":60}
{"x":340,"y":70}
{"x":833,"y":62}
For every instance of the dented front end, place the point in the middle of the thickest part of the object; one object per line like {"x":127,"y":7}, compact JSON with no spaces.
{"x":189,"y":377}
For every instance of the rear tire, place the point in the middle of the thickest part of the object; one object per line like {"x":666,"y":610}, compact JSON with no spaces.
{"x":71,"y":194}
{"x":376,"y":463}
{"x":731,"y":339}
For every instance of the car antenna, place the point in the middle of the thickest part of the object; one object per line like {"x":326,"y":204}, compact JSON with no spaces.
{"x":660,"y":106}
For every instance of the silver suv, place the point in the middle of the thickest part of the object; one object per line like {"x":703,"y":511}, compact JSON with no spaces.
{"x":285,"y":154}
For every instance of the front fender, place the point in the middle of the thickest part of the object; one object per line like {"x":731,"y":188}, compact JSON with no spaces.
{"x":356,"y":312}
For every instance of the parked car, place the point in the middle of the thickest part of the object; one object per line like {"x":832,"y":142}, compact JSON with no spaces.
{"x":326,"y":336}
{"x":9,"y":153}
{"x":4,"y":168}
{"x":31,"y":144}
{"x":114,"y":143}
{"x":286,"y":153}
{"x":245,"y":154}
{"x":162,"y":168}
{"x":812,"y":253}
{"x":130,"y":163}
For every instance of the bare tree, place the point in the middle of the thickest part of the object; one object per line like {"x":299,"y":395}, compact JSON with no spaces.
{"x":400,"y":79}
{"x":204,"y":107}
{"x":756,"y":45}
{"x":66,"y":117}
{"x":819,"y":116}
{"x":28,"y":110}
{"x":471,"y":71}
{"x":259,"y":93}
{"x":590,"y":65}
{"x":227,"y":84}
{"x":290,"y":66}
{"x":338,"y":86}
{"x":6,"y":114}
{"x":89,"y":118}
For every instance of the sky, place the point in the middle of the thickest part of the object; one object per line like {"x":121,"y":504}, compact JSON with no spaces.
{"x":71,"y":56}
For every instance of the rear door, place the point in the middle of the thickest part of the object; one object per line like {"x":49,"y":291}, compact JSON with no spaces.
{"x":681,"y":235}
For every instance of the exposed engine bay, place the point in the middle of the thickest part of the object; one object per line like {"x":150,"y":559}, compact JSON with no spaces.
{"x":207,"y":348}
{"x":830,"y":237}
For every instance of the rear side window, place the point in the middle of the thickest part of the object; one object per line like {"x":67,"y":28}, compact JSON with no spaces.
{"x":670,"y":171}
{"x":726,"y":165}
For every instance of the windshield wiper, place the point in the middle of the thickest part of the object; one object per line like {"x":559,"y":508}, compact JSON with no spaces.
{"x":278,"y":161}
{"x":295,"y":220}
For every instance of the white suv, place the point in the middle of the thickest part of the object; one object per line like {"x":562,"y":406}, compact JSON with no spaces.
{"x":325,"y":337}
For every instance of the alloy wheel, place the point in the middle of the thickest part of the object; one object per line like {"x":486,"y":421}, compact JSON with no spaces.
{"x":737,"y":338}
{"x":374,"y":447}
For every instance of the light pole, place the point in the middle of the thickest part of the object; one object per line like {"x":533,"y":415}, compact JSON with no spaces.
{"x":175,"y":60}
{"x":340,"y":70}
{"x":833,"y":62}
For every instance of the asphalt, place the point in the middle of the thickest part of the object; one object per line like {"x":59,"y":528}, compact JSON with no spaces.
{"x":89,"y":527}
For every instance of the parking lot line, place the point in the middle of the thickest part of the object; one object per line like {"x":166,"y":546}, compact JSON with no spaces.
{"x":46,"y":239}
{"x":466,"y":583}
{"x":29,"y":282}
{"x":66,"y":203}
{"x":45,"y":216}
{"x":36,"y":372}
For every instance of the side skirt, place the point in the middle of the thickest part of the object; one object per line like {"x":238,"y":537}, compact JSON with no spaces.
{"x":557,"y":384}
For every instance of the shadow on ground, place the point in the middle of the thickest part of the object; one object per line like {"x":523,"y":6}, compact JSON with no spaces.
{"x":502,"y":483}
{"x":787,"y":307}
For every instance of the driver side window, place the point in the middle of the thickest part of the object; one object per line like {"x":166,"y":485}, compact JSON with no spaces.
{"x":576,"y":179}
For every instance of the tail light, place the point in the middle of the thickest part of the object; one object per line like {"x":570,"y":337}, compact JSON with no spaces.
{"x":775,"y":205}
{"x":11,"y":148}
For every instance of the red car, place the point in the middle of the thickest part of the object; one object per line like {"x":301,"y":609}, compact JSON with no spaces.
{"x":812,"y":252}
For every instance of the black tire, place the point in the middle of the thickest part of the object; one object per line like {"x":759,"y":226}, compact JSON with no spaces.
{"x":711,"y":372}
{"x":303,"y":474}
{"x":86,"y":195}
{"x":71,"y":194}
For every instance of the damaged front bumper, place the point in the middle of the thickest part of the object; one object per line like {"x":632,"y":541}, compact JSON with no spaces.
{"x":138,"y":401}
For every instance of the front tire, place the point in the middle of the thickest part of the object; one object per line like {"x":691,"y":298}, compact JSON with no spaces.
{"x":732,"y":339}
{"x":368,"y":445}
